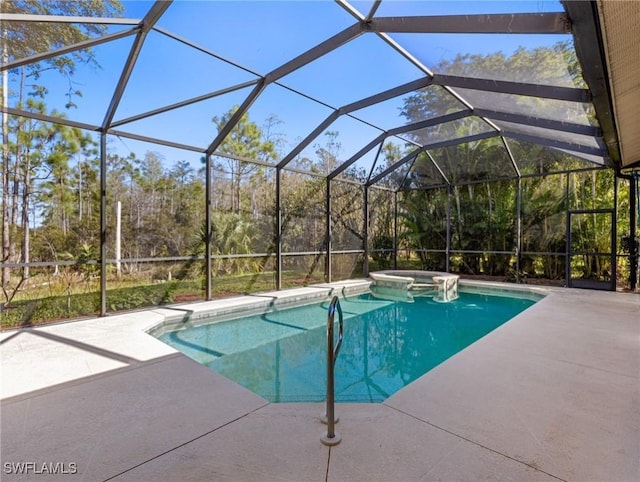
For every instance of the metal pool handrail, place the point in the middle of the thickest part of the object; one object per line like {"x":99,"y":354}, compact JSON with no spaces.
{"x":331,"y":437}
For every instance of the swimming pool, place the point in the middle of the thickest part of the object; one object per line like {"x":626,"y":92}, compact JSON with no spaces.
{"x":281,"y":355}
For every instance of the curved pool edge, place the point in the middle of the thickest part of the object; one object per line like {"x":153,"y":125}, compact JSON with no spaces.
{"x":228,"y":308}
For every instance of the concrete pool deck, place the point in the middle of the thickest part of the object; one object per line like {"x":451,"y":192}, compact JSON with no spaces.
{"x":553,"y":394}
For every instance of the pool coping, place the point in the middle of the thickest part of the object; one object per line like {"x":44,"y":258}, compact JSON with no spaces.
{"x":246,"y":305}
{"x":230,"y":308}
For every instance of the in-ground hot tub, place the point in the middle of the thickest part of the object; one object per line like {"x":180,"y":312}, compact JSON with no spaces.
{"x":442,"y":286}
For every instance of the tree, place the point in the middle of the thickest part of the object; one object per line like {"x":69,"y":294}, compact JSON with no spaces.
{"x":20,"y":40}
{"x":244,"y":143}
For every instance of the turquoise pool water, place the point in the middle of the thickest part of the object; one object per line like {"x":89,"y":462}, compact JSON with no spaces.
{"x":281,"y":355}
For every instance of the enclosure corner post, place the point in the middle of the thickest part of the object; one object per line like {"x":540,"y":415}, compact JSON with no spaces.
{"x":327,"y":266}
{"x":395,"y":230}
{"x":518,"y":229}
{"x":448,"y":247}
{"x":278,"y":230}
{"x":103,"y":224}
{"x":614,"y":237}
{"x":567,"y":261}
{"x":365,"y":237}
{"x":207,"y":228}
{"x":633,"y":223}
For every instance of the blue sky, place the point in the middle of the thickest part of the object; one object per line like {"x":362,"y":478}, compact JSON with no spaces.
{"x":260,"y":36}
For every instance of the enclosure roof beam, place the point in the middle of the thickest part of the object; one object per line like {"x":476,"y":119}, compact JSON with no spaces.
{"x":85,"y":44}
{"x":399,"y":130}
{"x":392,"y":43}
{"x":430,"y":122}
{"x":307,"y":140}
{"x":49,"y":118}
{"x":518,"y":23}
{"x":406,"y":174}
{"x":348,"y":108}
{"x":301,"y":60}
{"x":435,"y":164}
{"x":202,"y":49}
{"x":557,"y":144}
{"x":395,"y":166}
{"x":583,"y":129}
{"x":152,"y":16}
{"x":435,"y":145}
{"x":316,"y":52}
{"x":357,"y":156}
{"x":373,"y":10}
{"x":184,"y":103}
{"x":461,"y":140}
{"x":237,"y":115}
{"x":154,"y":140}
{"x":518,"y":88}
{"x":386,"y":95}
{"x":375,"y":162}
{"x":27,"y":17}
{"x":438,"y":168}
{"x":510,"y":154}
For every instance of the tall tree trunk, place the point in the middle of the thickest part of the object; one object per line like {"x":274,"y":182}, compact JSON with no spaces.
{"x":6,"y":237}
{"x":79,"y":191}
{"x":26,"y":192}
{"x":15,"y":205}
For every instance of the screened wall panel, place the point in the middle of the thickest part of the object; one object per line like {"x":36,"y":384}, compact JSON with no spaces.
{"x":346,"y":266}
{"x":346,"y":67}
{"x":446,"y":131}
{"x":155,"y":227}
{"x":534,"y":159}
{"x":577,"y":112}
{"x":276,"y":113}
{"x":423,"y":227}
{"x":483,"y":265}
{"x":429,"y":260}
{"x":237,"y":275}
{"x":381,"y":228}
{"x":429,"y":102}
{"x":303,"y":213}
{"x":623,"y":233}
{"x":591,"y":190}
{"x":242,"y":221}
{"x":590,"y":248}
{"x":551,"y":134}
{"x":303,"y":269}
{"x":56,"y":301}
{"x":424,"y":173}
{"x":483,"y":220}
{"x":543,"y":228}
{"x":39,"y":87}
{"x":347,"y":216}
{"x":474,"y":161}
{"x":150,"y":75}
{"x":195,"y":125}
